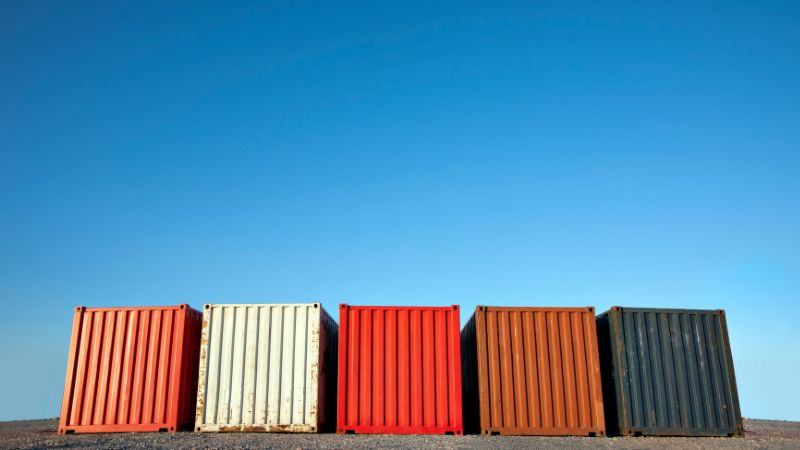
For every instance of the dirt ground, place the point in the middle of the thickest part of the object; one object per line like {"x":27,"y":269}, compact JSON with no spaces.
{"x":31,"y":434}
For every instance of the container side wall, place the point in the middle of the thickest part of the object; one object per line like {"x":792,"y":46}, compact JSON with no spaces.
{"x":328,"y":361}
{"x":187,"y":377}
{"x":671,"y":371}
{"x":542,"y":372}
{"x":473,"y":410}
{"x":260,"y":368}
{"x":610,"y":374}
{"x":124,"y":370}
{"x":400,"y":370}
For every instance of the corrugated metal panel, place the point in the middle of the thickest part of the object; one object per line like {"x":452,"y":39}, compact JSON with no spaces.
{"x":399,"y":370}
{"x":261,"y":368}
{"x":329,"y":341}
{"x":131,"y":369}
{"x":532,"y":371}
{"x":669,"y":372}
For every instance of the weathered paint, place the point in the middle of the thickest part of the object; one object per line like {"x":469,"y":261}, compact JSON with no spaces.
{"x":131,"y":369}
{"x":668,"y":372}
{"x":399,"y":370}
{"x":532,"y":371}
{"x":266,"y":367}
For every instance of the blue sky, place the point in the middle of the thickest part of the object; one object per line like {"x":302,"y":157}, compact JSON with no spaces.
{"x":517,"y":154}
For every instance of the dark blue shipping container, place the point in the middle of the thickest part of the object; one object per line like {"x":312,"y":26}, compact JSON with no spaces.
{"x":668,"y":372}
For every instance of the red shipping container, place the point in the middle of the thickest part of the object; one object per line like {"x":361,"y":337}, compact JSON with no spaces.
{"x":399,"y":370}
{"x":131,"y":369}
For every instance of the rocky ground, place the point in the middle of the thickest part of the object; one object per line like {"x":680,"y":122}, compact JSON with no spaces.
{"x":31,"y":434}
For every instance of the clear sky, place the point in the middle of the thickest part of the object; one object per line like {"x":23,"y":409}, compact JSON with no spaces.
{"x":395,"y":153}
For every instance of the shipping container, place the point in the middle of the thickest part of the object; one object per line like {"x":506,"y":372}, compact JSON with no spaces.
{"x":532,"y":371}
{"x":668,"y":372}
{"x":267,"y":368}
{"x":399,"y":370}
{"x":131,"y":369}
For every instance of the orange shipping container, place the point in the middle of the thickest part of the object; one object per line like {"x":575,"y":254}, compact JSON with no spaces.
{"x":532,"y":371}
{"x":131,"y":369}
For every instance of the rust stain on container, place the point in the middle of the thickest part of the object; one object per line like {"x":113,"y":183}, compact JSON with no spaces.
{"x":532,"y":371}
{"x":399,"y":370}
{"x":668,"y":372}
{"x":131,"y":369}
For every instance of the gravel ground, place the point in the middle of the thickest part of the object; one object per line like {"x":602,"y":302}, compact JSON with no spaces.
{"x":42,"y":434}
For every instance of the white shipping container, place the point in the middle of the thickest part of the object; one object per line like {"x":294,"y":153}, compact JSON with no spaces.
{"x":267,"y":367}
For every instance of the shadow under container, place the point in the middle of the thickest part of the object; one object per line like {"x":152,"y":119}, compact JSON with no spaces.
{"x":131,"y":369}
{"x":532,"y":371}
{"x":668,"y":372}
{"x":399,"y":370}
{"x":267,"y":368}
